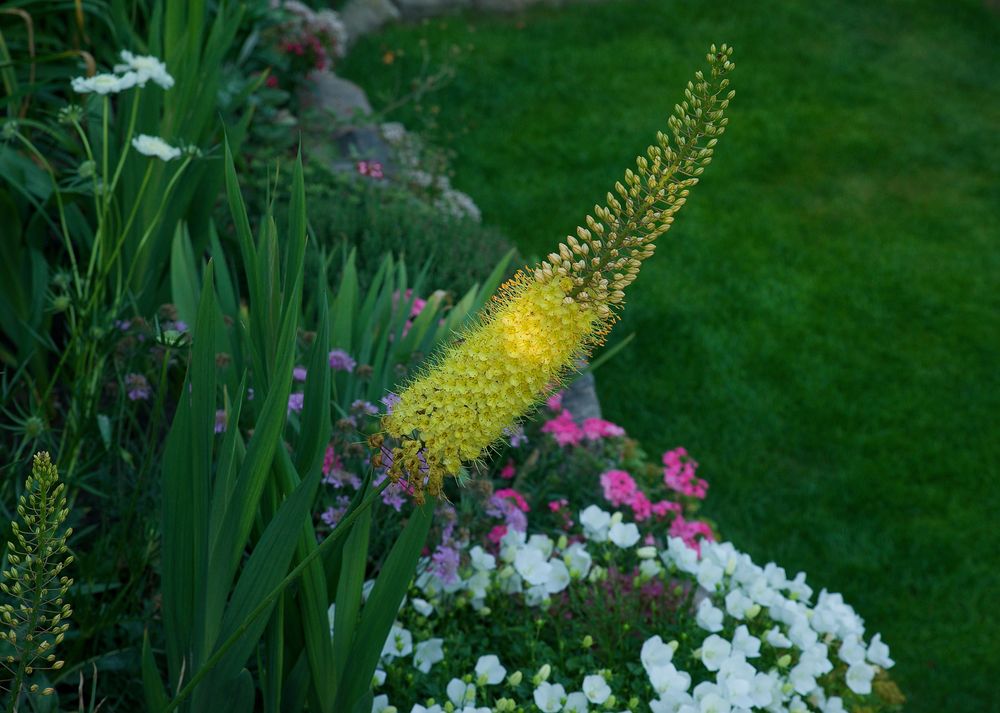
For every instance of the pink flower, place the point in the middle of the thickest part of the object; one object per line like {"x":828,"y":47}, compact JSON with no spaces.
{"x":564,"y":429}
{"x":679,"y":474}
{"x":554,"y":402}
{"x":663,"y":507}
{"x":557,"y":505}
{"x":508,"y":471}
{"x":595,"y":429}
{"x":640,"y":505}
{"x":271,"y":81}
{"x":522,"y":504}
{"x":496,"y":534}
{"x":372,"y":169}
{"x":618,"y":486}
{"x":689,"y":530}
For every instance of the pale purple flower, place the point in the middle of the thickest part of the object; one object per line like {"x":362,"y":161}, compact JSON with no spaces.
{"x":295,"y":402}
{"x":137,"y":386}
{"x":332,"y":515}
{"x":444,"y":564}
{"x":516,"y":435}
{"x":342,"y":361}
{"x":299,"y":373}
{"x":364,"y":407}
{"x":123,"y":324}
{"x":389,"y":401}
{"x":220,"y":420}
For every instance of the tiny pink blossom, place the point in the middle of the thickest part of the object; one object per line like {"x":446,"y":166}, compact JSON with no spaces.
{"x":563,"y":429}
{"x":508,"y":471}
{"x":595,"y":429}
{"x":522,"y":504}
{"x":496,"y":534}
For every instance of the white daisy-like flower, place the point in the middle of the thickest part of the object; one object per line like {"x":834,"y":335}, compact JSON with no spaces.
{"x":596,"y":689}
{"x":549,"y":697}
{"x":461,"y":693}
{"x":155,"y":146}
{"x":104,"y":83}
{"x":859,"y":678}
{"x":145,"y":67}
{"x":427,"y":653}
{"x":624,"y":535}
{"x":489,"y":670}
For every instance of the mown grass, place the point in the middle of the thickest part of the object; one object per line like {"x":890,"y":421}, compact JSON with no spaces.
{"x":821,"y":327}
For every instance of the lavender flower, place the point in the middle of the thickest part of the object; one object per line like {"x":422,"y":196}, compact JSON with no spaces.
{"x":364,"y":407}
{"x":220,"y":420}
{"x":137,"y":387}
{"x":299,"y":373}
{"x":295,"y":402}
{"x":342,"y":361}
{"x":389,"y":401}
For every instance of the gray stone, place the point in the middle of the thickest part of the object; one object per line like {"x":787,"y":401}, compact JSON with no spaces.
{"x":326,"y":92}
{"x":419,"y":9}
{"x":363,"y":16}
{"x":580,"y":398}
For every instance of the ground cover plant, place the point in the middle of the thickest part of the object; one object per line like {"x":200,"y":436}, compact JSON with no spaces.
{"x":822,"y":332}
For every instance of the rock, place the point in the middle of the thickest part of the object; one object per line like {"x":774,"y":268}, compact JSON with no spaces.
{"x":363,"y":16}
{"x":506,"y":5}
{"x":327,"y":92}
{"x":419,"y":9}
{"x":580,"y":399}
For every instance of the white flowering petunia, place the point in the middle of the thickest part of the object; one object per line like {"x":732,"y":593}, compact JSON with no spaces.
{"x":461,"y":693}
{"x":738,"y":604}
{"x":596,"y":688}
{"x":878,"y":653}
{"x":578,"y":560}
{"x":776,"y":639}
{"x":655,"y":654}
{"x":859,"y":678}
{"x":155,"y":146}
{"x":558,"y":578}
{"x":145,"y":67}
{"x":422,"y":606}
{"x":576,"y":702}
{"x":714,"y":703}
{"x":623,"y":535}
{"x":427,"y":653}
{"x":746,"y":643}
{"x":489,"y":670}
{"x":708,"y":617}
{"x":710,"y":574}
{"x":852,"y":651}
{"x":481,"y":559}
{"x":714,"y":651}
{"x":680,"y":555}
{"x":531,"y":564}
{"x":595,"y":523}
{"x":803,"y":678}
{"x":542,"y":543}
{"x":667,"y":678}
{"x":399,"y":643}
{"x":549,"y":697}
{"x":104,"y":83}
{"x":417,"y":708}
{"x":650,"y":568}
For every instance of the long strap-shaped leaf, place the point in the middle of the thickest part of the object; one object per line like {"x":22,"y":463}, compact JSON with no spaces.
{"x":267,"y":566}
{"x":381,"y":609}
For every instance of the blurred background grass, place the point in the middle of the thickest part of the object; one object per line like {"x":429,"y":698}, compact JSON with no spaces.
{"x":820,"y":329}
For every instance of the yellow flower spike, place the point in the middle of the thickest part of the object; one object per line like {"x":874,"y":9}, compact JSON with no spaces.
{"x":548,"y":316}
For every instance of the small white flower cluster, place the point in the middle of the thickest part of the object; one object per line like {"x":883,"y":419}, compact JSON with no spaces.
{"x":136,"y":71}
{"x":739,"y":592}
{"x":764,"y":647}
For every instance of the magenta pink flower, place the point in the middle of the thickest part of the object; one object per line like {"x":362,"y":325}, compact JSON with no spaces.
{"x":689,"y":530}
{"x":618,"y":486}
{"x":554,"y":402}
{"x":564,"y":429}
{"x":679,"y":474}
{"x":662,"y":508}
{"x":496,"y":534}
{"x":640,"y":505}
{"x":595,"y":429}
{"x":508,"y":471}
{"x":518,"y":499}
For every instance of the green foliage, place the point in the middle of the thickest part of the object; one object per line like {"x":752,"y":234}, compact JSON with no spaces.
{"x":821,"y":327}
{"x":37,"y":621}
{"x":373,"y":218}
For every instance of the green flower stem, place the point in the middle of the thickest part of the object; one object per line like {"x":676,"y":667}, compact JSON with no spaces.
{"x":337,"y":533}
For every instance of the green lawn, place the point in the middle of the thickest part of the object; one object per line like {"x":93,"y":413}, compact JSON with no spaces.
{"x":821,"y":327}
